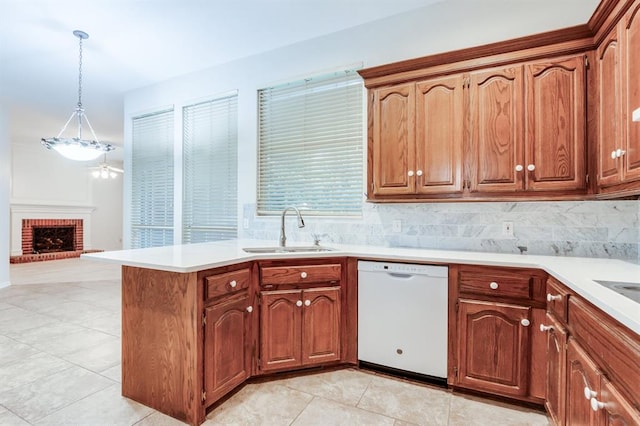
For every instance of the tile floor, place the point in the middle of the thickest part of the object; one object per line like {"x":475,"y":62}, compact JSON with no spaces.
{"x":60,"y":365}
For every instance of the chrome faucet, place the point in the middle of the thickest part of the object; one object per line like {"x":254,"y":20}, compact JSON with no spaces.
{"x":283,"y":237}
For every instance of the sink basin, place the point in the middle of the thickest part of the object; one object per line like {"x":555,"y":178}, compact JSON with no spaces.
{"x":630,"y":290}
{"x":293,"y":249}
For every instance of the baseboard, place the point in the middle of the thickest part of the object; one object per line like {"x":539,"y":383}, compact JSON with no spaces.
{"x":5,"y":284}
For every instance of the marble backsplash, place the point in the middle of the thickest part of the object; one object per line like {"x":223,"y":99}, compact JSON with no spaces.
{"x":609,"y":229}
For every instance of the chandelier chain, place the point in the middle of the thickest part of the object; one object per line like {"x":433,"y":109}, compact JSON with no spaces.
{"x":80,"y":76}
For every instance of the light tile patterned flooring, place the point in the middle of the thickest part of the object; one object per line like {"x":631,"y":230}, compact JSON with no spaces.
{"x":60,"y":365}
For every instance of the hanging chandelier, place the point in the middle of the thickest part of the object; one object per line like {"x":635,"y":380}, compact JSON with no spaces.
{"x":76,"y":148}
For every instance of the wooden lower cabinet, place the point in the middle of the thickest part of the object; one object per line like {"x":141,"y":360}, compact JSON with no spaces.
{"x":494,"y":347}
{"x":299,"y":328}
{"x":227,"y":346}
{"x":582,"y":383}
{"x":556,"y":368}
{"x":614,"y":409}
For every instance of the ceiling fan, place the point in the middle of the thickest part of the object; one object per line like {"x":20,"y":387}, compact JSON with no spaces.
{"x":105,"y":171}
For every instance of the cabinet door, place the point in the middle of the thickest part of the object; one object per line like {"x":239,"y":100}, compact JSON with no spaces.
{"x":394,"y":140}
{"x":582,"y":383}
{"x":280,"y":329}
{"x":321,"y":325}
{"x":227,"y":356}
{"x":496,"y":103}
{"x":555,"y":145}
{"x":631,"y":67}
{"x":614,"y":408}
{"x":610,"y":123}
{"x":494,"y":347}
{"x":556,"y":369}
{"x":439,"y":135}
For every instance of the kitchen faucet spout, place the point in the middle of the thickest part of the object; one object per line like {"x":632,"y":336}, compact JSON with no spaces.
{"x":283,"y":237}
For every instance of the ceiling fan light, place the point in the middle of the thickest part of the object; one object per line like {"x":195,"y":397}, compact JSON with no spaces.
{"x":104,"y":174}
{"x":95,"y":173}
{"x":113,"y":175}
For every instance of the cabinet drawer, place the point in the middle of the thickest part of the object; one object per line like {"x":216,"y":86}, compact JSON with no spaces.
{"x":303,"y":274}
{"x":499,"y":283}
{"x":221,"y":284}
{"x":557,"y":298}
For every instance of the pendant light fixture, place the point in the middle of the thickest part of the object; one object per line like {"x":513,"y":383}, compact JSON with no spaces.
{"x":76,"y":148}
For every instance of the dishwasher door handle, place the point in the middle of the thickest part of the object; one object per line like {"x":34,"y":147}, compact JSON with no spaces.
{"x":399,"y":275}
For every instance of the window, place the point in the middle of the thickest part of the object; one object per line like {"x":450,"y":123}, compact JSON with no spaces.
{"x":311,"y":146}
{"x":152,"y":180}
{"x":210,"y":139}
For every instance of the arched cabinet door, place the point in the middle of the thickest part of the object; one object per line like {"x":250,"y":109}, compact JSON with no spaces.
{"x":555,"y":137}
{"x":631,"y":71}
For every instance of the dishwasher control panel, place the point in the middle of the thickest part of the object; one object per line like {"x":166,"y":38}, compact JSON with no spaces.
{"x":404,"y":268}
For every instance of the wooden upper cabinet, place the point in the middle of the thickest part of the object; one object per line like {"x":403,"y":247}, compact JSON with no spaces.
{"x":496,"y":106}
{"x":439,"y":135}
{"x":609,"y":108}
{"x":555,"y":144}
{"x":631,"y":79}
{"x":393,"y":137}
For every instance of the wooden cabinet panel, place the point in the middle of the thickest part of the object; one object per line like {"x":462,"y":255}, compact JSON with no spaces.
{"x":610,"y":130}
{"x":555,"y":147}
{"x":631,"y":71}
{"x":493,"y":347}
{"x":222,"y":284}
{"x":556,"y":369}
{"x":439,"y":135}
{"x":496,"y":125}
{"x":280,"y":329}
{"x":393,"y":139}
{"x":321,"y":325}
{"x":304,"y":274}
{"x":582,"y":380}
{"x":227,"y":360}
{"x":614,"y":408}
{"x":557,"y":299}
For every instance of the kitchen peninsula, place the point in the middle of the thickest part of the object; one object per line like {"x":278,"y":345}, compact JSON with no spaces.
{"x":200,"y":319}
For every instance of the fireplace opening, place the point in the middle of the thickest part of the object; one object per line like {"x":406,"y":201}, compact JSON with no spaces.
{"x":53,"y":239}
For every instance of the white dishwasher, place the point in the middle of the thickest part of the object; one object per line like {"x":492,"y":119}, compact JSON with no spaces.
{"x":402,"y":317}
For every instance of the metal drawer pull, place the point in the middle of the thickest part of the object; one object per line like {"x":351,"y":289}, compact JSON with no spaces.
{"x":303,"y":275}
{"x":233,"y":284}
{"x":545,"y":327}
{"x":525,"y":322}
{"x":249,"y":309}
{"x":299,"y":303}
{"x":552,"y":297}
{"x":493,"y":285}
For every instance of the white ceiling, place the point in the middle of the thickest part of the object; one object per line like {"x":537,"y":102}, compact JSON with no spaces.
{"x":134,"y":43}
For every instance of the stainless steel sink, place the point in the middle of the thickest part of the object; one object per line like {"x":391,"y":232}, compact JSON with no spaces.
{"x":293,"y":249}
{"x":630,"y":290}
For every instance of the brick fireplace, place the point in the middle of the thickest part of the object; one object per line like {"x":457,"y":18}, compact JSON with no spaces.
{"x":49,"y":232}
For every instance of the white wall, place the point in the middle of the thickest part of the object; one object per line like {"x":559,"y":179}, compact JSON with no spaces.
{"x":5,"y":184}
{"x":42,"y":177}
{"x":441,"y":27}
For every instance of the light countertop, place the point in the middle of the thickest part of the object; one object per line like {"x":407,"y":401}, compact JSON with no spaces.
{"x":577,"y":273}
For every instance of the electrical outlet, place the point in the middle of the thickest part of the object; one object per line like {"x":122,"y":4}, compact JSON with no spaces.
{"x":396,"y":226}
{"x":507,"y":229}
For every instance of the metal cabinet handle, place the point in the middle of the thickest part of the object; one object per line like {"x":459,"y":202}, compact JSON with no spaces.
{"x":493,"y":285}
{"x":525,"y":322}
{"x":531,"y":167}
{"x":596,"y":405}
{"x":552,"y":297}
{"x":519,"y":168}
{"x":588,"y":393}
{"x":233,"y":284}
{"x":545,"y":327}
{"x":307,"y":303}
{"x":419,"y":173}
{"x":620,"y":152}
{"x":303,"y":275}
{"x":299,"y":303}
{"x":410,"y":173}
{"x":249,"y":309}
{"x":613,"y":155}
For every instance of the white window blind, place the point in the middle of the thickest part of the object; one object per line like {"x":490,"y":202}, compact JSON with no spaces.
{"x":152,"y":180}
{"x":311,"y":146}
{"x":210,"y":201}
